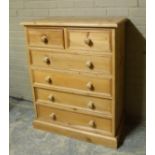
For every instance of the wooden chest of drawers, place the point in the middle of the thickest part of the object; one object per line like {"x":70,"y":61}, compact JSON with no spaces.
{"x":76,"y":69}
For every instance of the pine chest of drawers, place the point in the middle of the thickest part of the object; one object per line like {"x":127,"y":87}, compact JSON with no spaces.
{"x":76,"y":69}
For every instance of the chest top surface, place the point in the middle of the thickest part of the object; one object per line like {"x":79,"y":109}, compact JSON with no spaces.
{"x":77,"y":21}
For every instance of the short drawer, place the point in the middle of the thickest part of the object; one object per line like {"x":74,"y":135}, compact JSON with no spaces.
{"x":92,"y":104}
{"x":74,"y":120}
{"x":74,"y":80}
{"x":90,"y":39}
{"x":51,"y":59}
{"x":45,"y":37}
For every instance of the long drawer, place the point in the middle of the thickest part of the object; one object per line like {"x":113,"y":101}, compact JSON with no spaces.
{"x":92,"y":104}
{"x":73,"y":80}
{"x":53,"y":59}
{"x":74,"y":120}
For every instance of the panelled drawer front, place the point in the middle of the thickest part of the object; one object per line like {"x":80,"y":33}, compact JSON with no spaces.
{"x":72,"y":61}
{"x":86,"y":102}
{"x":72,"y":119}
{"x":90,"y":39}
{"x":45,"y":37}
{"x":73,"y":80}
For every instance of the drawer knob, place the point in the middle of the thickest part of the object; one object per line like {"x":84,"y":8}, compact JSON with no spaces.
{"x":46,"y":60}
{"x":91,"y":105}
{"x":53,"y":116}
{"x":90,"y":86}
{"x":48,"y":80}
{"x":92,"y":124}
{"x":88,"y":42}
{"x":44,"y":39}
{"x":51,"y":98}
{"x":89,"y":64}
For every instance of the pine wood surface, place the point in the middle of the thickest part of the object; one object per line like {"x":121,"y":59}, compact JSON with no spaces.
{"x":76,"y":70}
{"x":112,"y":22}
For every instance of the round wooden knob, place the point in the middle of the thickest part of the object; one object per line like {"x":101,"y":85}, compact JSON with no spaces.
{"x":88,"y":42}
{"x":48,"y":79}
{"x":51,"y":98}
{"x":91,"y":105}
{"x":92,"y":124}
{"x":89,"y":64}
{"x":46,"y":60}
{"x":53,"y":116}
{"x":90,"y":86}
{"x":44,"y":39}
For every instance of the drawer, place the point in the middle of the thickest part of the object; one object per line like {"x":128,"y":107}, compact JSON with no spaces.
{"x":45,"y":37}
{"x":71,"y":61}
{"x":71,"y":119}
{"x":73,"y":80}
{"x":93,"y":104}
{"x":90,"y":39}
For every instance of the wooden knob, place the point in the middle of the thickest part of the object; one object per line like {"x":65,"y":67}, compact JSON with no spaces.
{"x":90,"y":86}
{"x":89,"y":64}
{"x":44,"y":39}
{"x":46,"y":60}
{"x":51,"y":97}
{"x":88,"y":42}
{"x":48,"y":79}
{"x":92,"y":124}
{"x":91,"y":105}
{"x":53,"y":116}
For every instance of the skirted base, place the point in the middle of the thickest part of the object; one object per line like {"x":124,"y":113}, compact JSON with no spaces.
{"x":79,"y":134}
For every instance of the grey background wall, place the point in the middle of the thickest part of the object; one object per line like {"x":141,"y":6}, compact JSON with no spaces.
{"x":134,"y":10}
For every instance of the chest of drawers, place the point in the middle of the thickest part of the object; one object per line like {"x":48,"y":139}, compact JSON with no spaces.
{"x":76,"y":69}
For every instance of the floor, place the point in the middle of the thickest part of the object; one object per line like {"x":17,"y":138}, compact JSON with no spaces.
{"x":24,"y":140}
